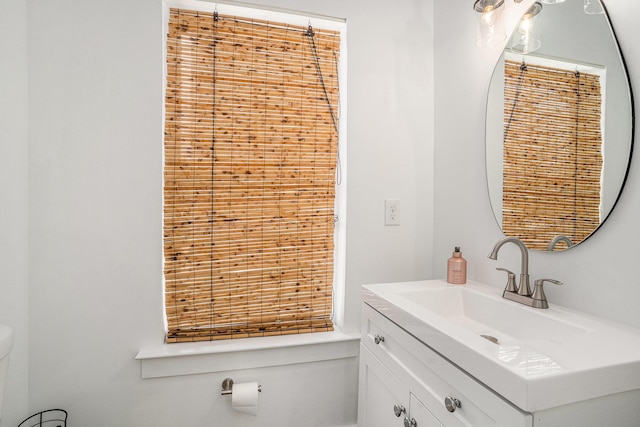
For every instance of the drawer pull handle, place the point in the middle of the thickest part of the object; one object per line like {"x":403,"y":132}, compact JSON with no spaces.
{"x":451,"y":403}
{"x":378,"y":339}
{"x":399,"y":410}
{"x":410,"y":422}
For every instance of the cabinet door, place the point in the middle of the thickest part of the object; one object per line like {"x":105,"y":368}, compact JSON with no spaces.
{"x":380,"y":394}
{"x":422,"y":416}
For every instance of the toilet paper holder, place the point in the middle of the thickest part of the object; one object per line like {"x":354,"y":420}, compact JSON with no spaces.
{"x":227,"y":387}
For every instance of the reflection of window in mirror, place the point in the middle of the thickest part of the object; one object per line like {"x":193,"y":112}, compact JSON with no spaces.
{"x":553,"y":155}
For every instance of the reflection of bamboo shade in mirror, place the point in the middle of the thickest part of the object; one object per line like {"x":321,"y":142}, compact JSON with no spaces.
{"x":250,"y":163}
{"x":552,"y":154}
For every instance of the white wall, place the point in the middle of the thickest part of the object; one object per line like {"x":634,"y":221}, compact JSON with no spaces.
{"x":94,"y":200}
{"x":13,"y":199}
{"x":600,"y":275}
{"x":95,"y":170}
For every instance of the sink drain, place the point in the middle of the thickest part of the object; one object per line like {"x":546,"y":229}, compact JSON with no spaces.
{"x":490,"y":338}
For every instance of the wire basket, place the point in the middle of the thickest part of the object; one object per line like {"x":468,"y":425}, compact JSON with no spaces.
{"x":48,"y":418}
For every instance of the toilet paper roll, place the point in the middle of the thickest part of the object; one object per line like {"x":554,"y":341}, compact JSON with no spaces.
{"x":245,"y":398}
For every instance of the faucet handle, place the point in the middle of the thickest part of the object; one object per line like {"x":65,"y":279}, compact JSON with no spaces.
{"x":540,"y":299}
{"x":511,"y":280}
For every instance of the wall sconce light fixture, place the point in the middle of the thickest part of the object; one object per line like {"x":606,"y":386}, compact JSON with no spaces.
{"x":527,"y":38}
{"x":593,"y":7}
{"x":490,"y":26}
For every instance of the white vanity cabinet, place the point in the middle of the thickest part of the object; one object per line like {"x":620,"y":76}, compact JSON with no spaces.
{"x":424,"y":348}
{"x":405,"y":383}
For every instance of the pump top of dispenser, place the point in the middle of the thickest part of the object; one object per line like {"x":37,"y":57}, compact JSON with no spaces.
{"x":456,"y":252}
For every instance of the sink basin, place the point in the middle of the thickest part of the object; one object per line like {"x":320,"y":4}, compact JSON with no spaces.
{"x":535,"y":358}
{"x":484,"y":314}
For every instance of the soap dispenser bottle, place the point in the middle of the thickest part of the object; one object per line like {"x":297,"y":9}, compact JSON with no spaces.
{"x":457,"y":268}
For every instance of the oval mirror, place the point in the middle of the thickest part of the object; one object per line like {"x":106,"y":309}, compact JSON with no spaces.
{"x":559,"y":131}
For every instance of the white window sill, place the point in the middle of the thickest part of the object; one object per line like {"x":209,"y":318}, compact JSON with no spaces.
{"x":216,"y":356}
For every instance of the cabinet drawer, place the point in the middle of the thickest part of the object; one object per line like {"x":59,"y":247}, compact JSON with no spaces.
{"x":432,"y":378}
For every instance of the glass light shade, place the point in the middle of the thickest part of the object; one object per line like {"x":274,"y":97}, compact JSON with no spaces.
{"x":526,"y":38}
{"x":489,"y":26}
{"x":593,"y":7}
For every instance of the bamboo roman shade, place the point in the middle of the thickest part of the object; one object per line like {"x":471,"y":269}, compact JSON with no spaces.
{"x":552,"y":154}
{"x":251,"y":140}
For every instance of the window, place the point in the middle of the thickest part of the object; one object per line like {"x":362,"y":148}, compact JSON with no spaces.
{"x":251,"y":152}
{"x":553,"y":158}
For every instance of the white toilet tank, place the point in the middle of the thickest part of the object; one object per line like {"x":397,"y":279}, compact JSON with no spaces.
{"x":6,"y":341}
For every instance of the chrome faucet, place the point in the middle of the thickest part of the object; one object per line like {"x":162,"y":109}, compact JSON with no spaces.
{"x":522,"y":293}
{"x":524,"y":288}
